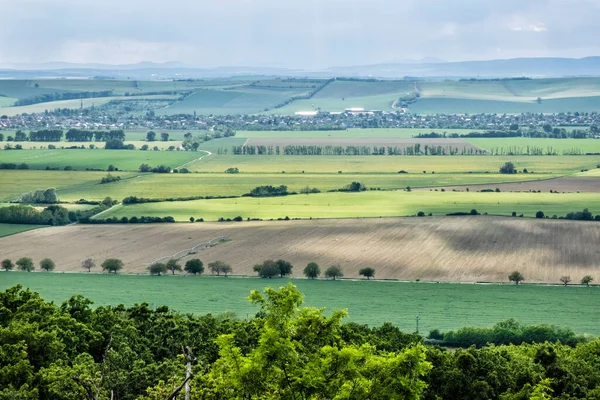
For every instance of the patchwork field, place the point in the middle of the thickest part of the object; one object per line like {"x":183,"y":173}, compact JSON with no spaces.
{"x":520,"y":145}
{"x":464,"y":249}
{"x":349,"y":133}
{"x":578,"y":184}
{"x":366,"y":204}
{"x":439,"y":306}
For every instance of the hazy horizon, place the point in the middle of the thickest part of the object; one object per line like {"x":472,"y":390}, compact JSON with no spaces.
{"x":306,"y":34}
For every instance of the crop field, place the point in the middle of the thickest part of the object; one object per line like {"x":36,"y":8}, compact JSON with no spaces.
{"x":368,"y":142}
{"x":59,"y":145}
{"x":578,"y":183}
{"x":366,"y":204}
{"x":11,"y":229}
{"x":127,"y":160}
{"x":211,"y":184}
{"x":439,"y":306}
{"x":559,"y":145}
{"x":15,"y":183}
{"x":449,"y":249}
{"x":393,"y":164}
{"x":349,"y":133}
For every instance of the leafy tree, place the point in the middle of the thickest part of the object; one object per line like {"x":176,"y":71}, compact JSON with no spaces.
{"x":145,"y":168}
{"x":194,"y":266}
{"x":150,"y":136}
{"x":268,"y":269}
{"x":88,"y":264}
{"x":312,"y":270}
{"x":565,"y":280}
{"x":173,"y":266}
{"x":586,"y":280}
{"x":25,"y":264}
{"x":285,"y":267}
{"x":47,"y":264}
{"x":164,"y":137}
{"x":540,"y":214}
{"x":158,"y":269}
{"x":367,"y":272}
{"x":333,"y":272}
{"x":219,"y":267}
{"x":516,"y":277}
{"x":112,"y":265}
{"x":508,"y":168}
{"x":8,"y":265}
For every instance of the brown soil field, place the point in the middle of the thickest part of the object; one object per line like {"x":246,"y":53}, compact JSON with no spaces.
{"x":565,"y":184}
{"x":399,"y":142}
{"x":452,"y":249}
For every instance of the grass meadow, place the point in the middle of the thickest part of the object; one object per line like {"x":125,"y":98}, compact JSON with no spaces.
{"x":558,"y":145}
{"x":366,"y":204}
{"x":11,"y":229}
{"x":439,"y":306}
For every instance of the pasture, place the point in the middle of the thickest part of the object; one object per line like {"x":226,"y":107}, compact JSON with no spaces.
{"x":366,"y":204}
{"x":11,"y":229}
{"x":126,"y":160}
{"x":439,"y":306}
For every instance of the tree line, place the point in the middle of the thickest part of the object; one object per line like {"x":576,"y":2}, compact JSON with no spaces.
{"x":72,"y":135}
{"x":317,"y":150}
{"x":77,"y":351}
{"x":47,"y":97}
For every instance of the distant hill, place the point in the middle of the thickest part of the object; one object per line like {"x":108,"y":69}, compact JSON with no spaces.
{"x":426,"y":68}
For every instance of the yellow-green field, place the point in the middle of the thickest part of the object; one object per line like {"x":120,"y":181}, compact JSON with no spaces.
{"x":366,"y":204}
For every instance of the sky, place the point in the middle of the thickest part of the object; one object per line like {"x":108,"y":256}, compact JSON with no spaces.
{"x":307,"y":34}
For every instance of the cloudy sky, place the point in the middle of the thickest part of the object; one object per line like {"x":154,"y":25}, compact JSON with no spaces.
{"x":294,"y":33}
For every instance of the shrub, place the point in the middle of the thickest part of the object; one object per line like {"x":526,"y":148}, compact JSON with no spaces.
{"x":508,"y":168}
{"x":232,"y":170}
{"x":420,"y":214}
{"x":238,"y":219}
{"x":110,"y":178}
{"x":354,"y":187}
{"x":540,"y":214}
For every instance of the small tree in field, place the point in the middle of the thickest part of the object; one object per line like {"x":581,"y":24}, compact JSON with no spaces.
{"x":508,"y":168}
{"x":157,"y":269}
{"x":268,"y":269}
{"x":312,"y":270}
{"x":565,"y":280}
{"x":88,"y":264}
{"x":586,"y":280}
{"x":173,"y":266}
{"x":219,"y":267}
{"x":367,"y":272}
{"x":285,"y":267}
{"x":333,"y":272}
{"x":25,"y":264}
{"x":516,"y":277}
{"x":7,"y":265}
{"x":112,"y":265}
{"x":47,"y":264}
{"x":194,"y":266}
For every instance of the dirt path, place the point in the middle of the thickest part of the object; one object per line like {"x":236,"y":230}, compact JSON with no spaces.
{"x":208,"y":153}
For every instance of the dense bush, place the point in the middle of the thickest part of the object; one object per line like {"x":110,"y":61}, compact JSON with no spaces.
{"x":110,"y":178}
{"x":22,"y":214}
{"x":13,"y":166}
{"x":353,"y":187}
{"x":268,"y":191}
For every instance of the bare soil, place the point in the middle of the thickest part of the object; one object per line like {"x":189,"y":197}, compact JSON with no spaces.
{"x":453,"y":249}
{"x":566,"y":184}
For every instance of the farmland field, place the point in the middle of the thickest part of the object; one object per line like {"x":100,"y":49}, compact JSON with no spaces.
{"x":450,"y":249}
{"x":128,"y":160}
{"x":366,"y":204}
{"x":558,"y":145}
{"x":583,"y":183}
{"x":11,"y":229}
{"x":439,"y":306}
{"x":368,"y":142}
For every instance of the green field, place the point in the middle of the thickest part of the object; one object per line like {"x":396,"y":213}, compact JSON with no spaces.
{"x":439,"y":306}
{"x":59,"y":145}
{"x":127,"y":160}
{"x":350,"y":133}
{"x":558,"y":145}
{"x":11,"y":229}
{"x":366,"y":204}
{"x":392,"y":164}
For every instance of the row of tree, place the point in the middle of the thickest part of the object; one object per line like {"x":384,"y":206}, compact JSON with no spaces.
{"x":72,"y":135}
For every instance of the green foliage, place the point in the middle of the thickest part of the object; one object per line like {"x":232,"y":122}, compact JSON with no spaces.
{"x":47,"y":264}
{"x":112,"y":265}
{"x":173,"y":266}
{"x":21,"y":214}
{"x":110,"y":178}
{"x":25,"y":264}
{"x":312,"y":270}
{"x":516,"y":277}
{"x":194,"y":266}
{"x":7,"y":265}
{"x":157,"y":269}
{"x":353,"y":187}
{"x":586,"y":280}
{"x":268,"y":269}
{"x":219,"y":267}
{"x":333,"y":272}
{"x":367,"y":272}
{"x":47,"y":196}
{"x":508,"y":168}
